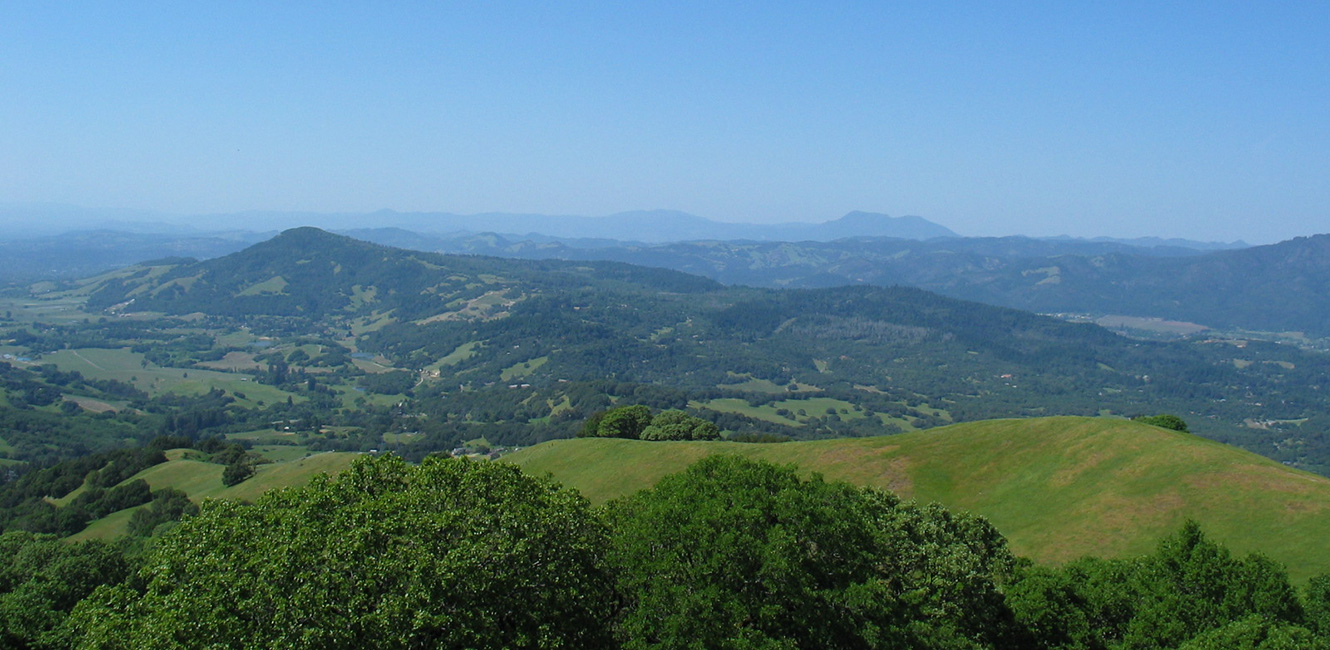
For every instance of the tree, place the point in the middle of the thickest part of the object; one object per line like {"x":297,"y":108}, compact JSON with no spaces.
{"x":1191,"y":585}
{"x":591,"y":428}
{"x":237,"y":472}
{"x":674,"y":424}
{"x":168,"y":505}
{"x":733,"y":553}
{"x":1317,"y":598}
{"x":1048,"y":605}
{"x":452,"y":553}
{"x":1163,"y":420}
{"x":624,"y":422}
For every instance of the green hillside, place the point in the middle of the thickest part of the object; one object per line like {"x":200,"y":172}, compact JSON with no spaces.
{"x":202,"y":480}
{"x":1057,"y":488}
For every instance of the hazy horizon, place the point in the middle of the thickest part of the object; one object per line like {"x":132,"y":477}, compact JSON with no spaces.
{"x":1201,"y":121}
{"x":65,"y":218}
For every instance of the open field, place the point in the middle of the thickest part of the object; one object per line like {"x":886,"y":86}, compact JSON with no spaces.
{"x":131,"y":367}
{"x":1057,"y":488}
{"x":1159,"y":325}
{"x":800,"y":409}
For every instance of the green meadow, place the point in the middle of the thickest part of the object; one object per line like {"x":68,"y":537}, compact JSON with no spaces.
{"x":1057,"y":488}
{"x":131,"y":367}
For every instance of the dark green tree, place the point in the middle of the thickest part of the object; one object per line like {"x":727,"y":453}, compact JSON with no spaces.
{"x":1048,"y":605}
{"x":1191,"y":585}
{"x":237,"y":472}
{"x":1187,"y":590}
{"x":733,"y":553}
{"x":591,"y":428}
{"x":1164,"y":420}
{"x":624,"y":422}
{"x":1317,"y":599}
{"x":167,"y":505}
{"x":673,"y":424}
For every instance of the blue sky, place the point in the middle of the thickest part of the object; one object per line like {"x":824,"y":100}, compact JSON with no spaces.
{"x":1200,"y":120}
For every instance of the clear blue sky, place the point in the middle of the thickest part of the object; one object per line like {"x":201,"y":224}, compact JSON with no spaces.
{"x":1207,"y":120}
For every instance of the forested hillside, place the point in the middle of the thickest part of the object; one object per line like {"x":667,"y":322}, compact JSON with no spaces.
{"x":522,"y":351}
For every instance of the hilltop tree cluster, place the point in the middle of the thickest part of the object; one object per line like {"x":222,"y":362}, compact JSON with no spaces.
{"x":637,"y":423}
{"x":730,"y":553}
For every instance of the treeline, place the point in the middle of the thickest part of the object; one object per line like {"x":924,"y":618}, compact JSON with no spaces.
{"x":26,"y":503}
{"x":730,"y":553}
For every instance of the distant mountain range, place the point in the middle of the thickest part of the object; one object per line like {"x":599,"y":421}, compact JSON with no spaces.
{"x":1282,"y":287}
{"x":1276,"y":288}
{"x":25,"y":221}
{"x":83,"y":253}
{"x":642,"y":226}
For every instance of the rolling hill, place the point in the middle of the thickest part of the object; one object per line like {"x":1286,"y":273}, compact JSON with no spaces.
{"x":1057,"y":488}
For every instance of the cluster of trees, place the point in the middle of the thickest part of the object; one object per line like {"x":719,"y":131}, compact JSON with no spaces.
{"x":730,"y":553}
{"x":1164,"y":420}
{"x":636,"y":422}
{"x":42,"y":578}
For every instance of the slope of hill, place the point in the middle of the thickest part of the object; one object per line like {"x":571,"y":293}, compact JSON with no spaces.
{"x":1057,"y":488}
{"x":202,"y":480}
{"x":312,"y":274}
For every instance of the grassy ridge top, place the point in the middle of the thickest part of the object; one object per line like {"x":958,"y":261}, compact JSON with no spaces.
{"x":1058,"y":488}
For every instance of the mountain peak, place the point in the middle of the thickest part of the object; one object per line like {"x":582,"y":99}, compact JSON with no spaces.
{"x":310,"y":238}
{"x":873,"y":224}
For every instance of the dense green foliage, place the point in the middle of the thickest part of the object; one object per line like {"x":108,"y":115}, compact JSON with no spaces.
{"x":636,"y":422}
{"x":42,"y":579}
{"x":168,"y":505}
{"x":674,"y":424}
{"x":452,"y":553}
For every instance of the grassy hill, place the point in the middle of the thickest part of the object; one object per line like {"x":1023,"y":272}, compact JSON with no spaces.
{"x":202,"y":480}
{"x":1058,"y":488}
